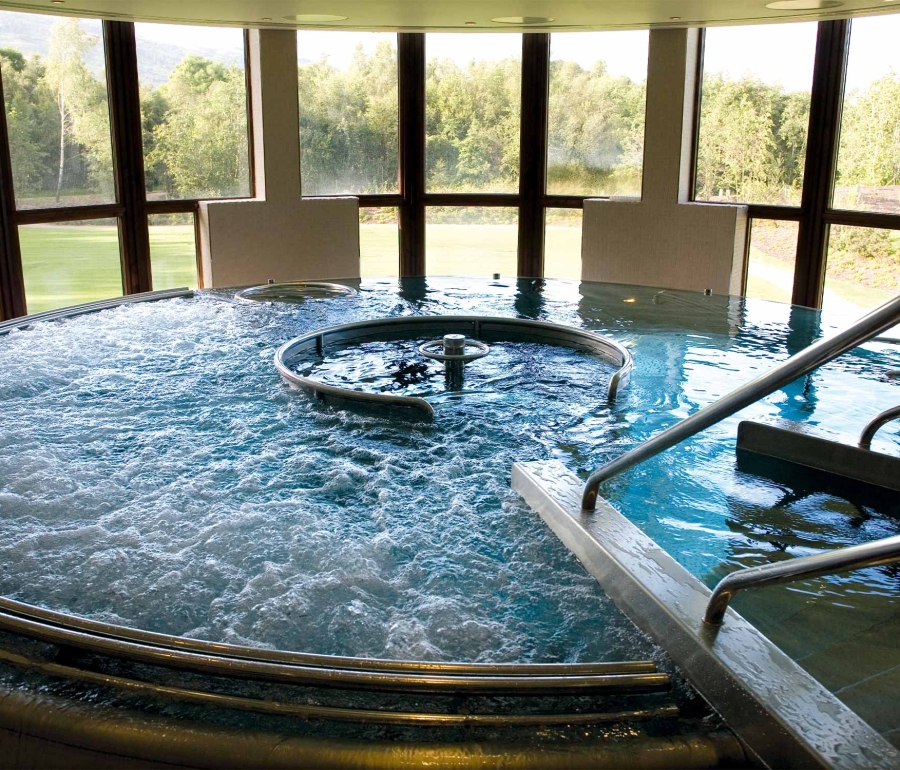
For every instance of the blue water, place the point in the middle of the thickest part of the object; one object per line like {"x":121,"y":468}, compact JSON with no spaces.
{"x":154,"y":470}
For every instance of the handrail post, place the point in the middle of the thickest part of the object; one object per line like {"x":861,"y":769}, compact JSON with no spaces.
{"x":855,"y":557}
{"x":801,"y":363}
{"x":874,"y":425}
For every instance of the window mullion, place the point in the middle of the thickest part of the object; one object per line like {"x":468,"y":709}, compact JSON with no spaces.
{"x":128,"y":153}
{"x":832,"y":44}
{"x":533,"y":152}
{"x":12,"y":283}
{"x":411,"y":87}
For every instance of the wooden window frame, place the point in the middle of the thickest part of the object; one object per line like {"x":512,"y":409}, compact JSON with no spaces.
{"x":131,"y":209}
{"x":815,"y":213}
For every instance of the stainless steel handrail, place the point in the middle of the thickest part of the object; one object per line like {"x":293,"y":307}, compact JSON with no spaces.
{"x":888,"y":415}
{"x":805,"y":361}
{"x":855,"y":557}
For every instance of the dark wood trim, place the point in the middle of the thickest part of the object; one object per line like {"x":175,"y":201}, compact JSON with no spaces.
{"x":69,"y":214}
{"x":862,"y":219}
{"x":781,"y":213}
{"x":174,"y":206}
{"x":695,"y":125}
{"x":128,"y":154}
{"x":197,"y":256}
{"x":12,"y":282}
{"x":565,"y":201}
{"x":533,"y":137}
{"x":375,"y":201}
{"x":411,"y":88}
{"x":472,"y":199}
{"x":832,"y":45}
{"x":248,"y":102}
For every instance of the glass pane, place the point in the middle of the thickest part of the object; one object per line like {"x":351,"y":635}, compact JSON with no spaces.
{"x":863,"y":269}
{"x":194,"y":111}
{"x":379,"y":243}
{"x":54,"y":87}
{"x":773,"y":251}
{"x":173,"y":251}
{"x":868,"y":170}
{"x":72,"y":263}
{"x":754,"y":113}
{"x":598,"y":97}
{"x":562,"y":243}
{"x":471,"y":241}
{"x":472,"y":103}
{"x":348,"y":112}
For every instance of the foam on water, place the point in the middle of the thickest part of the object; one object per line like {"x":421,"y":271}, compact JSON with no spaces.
{"x":154,"y":470}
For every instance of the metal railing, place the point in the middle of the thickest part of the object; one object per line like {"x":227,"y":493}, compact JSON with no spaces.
{"x":888,"y":415}
{"x":855,"y":557}
{"x":805,"y":361}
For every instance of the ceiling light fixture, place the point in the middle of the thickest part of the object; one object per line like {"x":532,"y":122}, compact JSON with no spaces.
{"x":470,"y":23}
{"x":314,"y":18}
{"x":267,"y":18}
{"x":803,"y":5}
{"x":522,"y":20}
{"x":674,"y":18}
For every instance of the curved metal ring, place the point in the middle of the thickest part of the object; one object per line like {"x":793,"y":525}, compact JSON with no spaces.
{"x":493,"y":329}
{"x":483,"y":350}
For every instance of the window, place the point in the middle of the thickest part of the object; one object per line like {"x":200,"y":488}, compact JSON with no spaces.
{"x":562,"y":243}
{"x":379,"y":243}
{"x":471,"y":241}
{"x":863,"y":269}
{"x":754,"y":113}
{"x":473,"y":94}
{"x":173,"y":251}
{"x":868,"y":170}
{"x":71,"y":263}
{"x":194,"y":111}
{"x":348,"y":112}
{"x":54,"y":84}
{"x":598,"y":97}
{"x":773,"y":253}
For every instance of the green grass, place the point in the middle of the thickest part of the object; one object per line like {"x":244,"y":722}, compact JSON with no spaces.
{"x":68,"y":264}
{"x":478,"y":250}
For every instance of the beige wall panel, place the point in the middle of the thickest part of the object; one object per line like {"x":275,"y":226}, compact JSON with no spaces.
{"x":663,"y":239}
{"x":279,"y":235}
{"x":689,"y":246}
{"x":253,"y":241}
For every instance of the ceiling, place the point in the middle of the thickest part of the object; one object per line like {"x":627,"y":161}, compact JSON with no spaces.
{"x":461,"y":15}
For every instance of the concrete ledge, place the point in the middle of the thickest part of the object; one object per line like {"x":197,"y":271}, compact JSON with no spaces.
{"x":783,"y":715}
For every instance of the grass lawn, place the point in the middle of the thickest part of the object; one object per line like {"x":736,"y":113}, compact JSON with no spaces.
{"x":70,"y":264}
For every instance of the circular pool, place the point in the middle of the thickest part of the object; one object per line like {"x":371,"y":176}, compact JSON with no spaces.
{"x":156,"y":474}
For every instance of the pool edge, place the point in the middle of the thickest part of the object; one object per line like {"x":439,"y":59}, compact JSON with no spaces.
{"x":783,"y":715}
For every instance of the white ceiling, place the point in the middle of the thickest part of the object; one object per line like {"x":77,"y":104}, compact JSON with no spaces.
{"x":450,"y":15}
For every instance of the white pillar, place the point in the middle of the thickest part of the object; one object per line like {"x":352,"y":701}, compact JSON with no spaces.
{"x":278,"y":234}
{"x":663,"y":239}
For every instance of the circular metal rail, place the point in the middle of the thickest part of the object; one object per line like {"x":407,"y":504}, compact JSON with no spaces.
{"x":879,"y":421}
{"x":484,"y":328}
{"x":293,"y":292}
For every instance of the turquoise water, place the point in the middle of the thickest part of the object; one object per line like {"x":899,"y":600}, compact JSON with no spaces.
{"x":155,"y":471}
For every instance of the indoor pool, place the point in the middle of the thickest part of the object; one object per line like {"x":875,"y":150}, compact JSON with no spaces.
{"x":156,"y":472}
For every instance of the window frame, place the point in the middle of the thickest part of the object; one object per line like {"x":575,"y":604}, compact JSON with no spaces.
{"x":131,"y":208}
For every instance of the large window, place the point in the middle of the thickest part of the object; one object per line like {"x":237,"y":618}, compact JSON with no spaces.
{"x":54,"y":86}
{"x":71,"y":263}
{"x":348,"y":112}
{"x":194,"y":111}
{"x":471,"y":241}
{"x":562,"y":239}
{"x":754,"y":114}
{"x":379,"y":243}
{"x":473,"y":96}
{"x":598,"y":97}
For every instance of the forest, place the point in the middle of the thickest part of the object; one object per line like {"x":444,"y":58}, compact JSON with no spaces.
{"x":752,"y":143}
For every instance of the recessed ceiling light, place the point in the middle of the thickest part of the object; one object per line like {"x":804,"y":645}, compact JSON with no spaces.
{"x":267,"y":18}
{"x":522,"y":20}
{"x":314,"y":18}
{"x":803,"y":5}
{"x":58,"y":2}
{"x":674,"y":18}
{"x":470,"y":23}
